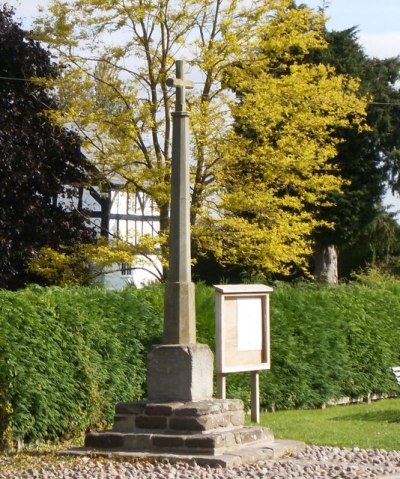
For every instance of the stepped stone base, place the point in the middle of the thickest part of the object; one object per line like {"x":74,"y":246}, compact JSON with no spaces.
{"x":234,"y":457}
{"x":174,"y":417}
{"x":209,"y":432}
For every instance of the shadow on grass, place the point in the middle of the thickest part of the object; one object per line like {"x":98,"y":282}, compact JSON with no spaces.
{"x":375,"y":416}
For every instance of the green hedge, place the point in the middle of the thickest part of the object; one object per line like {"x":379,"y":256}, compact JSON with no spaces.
{"x":67,"y":356}
{"x":326,"y":343}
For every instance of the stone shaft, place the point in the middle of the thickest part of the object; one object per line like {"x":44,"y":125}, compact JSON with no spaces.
{"x":179,"y":311}
{"x":179,"y":315}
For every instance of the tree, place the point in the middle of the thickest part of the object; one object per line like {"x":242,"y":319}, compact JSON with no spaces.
{"x":130,"y":130}
{"x":376,"y":248}
{"x":85,"y":263}
{"x":38,"y":160}
{"x":365,"y":159}
{"x":279,"y":173}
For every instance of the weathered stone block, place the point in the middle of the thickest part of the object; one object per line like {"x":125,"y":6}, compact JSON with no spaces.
{"x":249,"y":434}
{"x":151,"y":422}
{"x":134,"y":407}
{"x":237,"y":418}
{"x":201,"y":423}
{"x":187,"y":424}
{"x":199,"y":408}
{"x":231,"y":404}
{"x":124,"y":422}
{"x":205,"y":442}
{"x":220,"y":420}
{"x":268,"y":435}
{"x":154,"y":409}
{"x":168,"y":441}
{"x":136,"y":441}
{"x":104,"y":440}
{"x":231,"y":439}
{"x":180,"y":372}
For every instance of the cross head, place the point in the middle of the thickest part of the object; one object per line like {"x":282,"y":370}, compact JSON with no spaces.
{"x":181,"y":86}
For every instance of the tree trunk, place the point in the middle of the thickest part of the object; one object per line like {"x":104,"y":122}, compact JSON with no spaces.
{"x":326,"y":264}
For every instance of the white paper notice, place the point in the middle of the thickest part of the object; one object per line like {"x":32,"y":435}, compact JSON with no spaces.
{"x":249,"y":324}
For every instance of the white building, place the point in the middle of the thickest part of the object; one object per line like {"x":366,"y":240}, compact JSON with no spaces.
{"x":121,"y":214}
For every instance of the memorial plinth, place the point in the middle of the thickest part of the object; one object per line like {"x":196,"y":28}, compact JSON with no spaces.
{"x":210,"y":432}
{"x":180,"y":372}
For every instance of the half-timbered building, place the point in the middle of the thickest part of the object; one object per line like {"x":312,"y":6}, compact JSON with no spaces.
{"x":117,"y":212}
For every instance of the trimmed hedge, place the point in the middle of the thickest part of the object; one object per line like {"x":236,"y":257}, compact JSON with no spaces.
{"x":327,"y":342}
{"x":67,"y":356}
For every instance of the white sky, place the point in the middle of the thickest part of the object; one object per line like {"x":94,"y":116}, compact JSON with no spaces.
{"x":378,"y":23}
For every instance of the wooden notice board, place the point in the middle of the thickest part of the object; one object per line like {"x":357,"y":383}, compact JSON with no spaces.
{"x":242,"y":327}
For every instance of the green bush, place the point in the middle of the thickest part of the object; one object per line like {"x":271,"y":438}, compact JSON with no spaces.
{"x":67,"y":356}
{"x":326,"y":343}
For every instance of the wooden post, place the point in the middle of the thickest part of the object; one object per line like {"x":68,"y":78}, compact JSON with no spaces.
{"x":255,"y":396}
{"x":221,"y":386}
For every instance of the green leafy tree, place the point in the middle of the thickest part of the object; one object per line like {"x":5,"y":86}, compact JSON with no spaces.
{"x":365,"y":159}
{"x":38,"y":160}
{"x":377,"y":247}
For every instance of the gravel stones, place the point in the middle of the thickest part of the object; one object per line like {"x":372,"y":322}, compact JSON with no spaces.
{"x":314,"y":462}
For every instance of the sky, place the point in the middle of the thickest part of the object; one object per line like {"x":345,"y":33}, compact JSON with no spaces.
{"x":377,"y":22}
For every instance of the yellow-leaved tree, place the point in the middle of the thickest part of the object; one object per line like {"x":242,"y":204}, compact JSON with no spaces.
{"x":253,"y":195}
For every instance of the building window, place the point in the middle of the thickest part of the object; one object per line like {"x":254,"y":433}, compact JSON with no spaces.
{"x":126,"y":269}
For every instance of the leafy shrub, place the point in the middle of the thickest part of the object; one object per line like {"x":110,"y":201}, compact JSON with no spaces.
{"x":67,"y":356}
{"x":326,"y":342}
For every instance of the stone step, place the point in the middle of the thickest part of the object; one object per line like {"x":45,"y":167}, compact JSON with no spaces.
{"x":208,"y":431}
{"x":260,"y":451}
{"x":193,"y":408}
{"x":165,"y":441}
{"x":195,"y":416}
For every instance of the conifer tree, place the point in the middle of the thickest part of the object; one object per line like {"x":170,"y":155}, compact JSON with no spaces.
{"x":367,"y":159}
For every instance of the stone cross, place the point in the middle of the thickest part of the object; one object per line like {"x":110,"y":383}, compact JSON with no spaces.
{"x":181,"y":86}
{"x":179,"y":315}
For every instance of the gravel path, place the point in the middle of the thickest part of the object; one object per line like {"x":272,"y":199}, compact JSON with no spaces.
{"x":315,"y":462}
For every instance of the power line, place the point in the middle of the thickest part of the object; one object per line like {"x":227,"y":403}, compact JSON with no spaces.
{"x":18,"y":79}
{"x":383,"y":103}
{"x":376,"y":103}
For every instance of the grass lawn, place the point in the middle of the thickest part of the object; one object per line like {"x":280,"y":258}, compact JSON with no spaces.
{"x":367,"y":426}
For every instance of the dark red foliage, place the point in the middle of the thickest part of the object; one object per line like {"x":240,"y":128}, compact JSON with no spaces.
{"x":37,"y":159}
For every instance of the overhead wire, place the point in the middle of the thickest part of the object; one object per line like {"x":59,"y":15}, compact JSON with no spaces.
{"x":376,"y":103}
